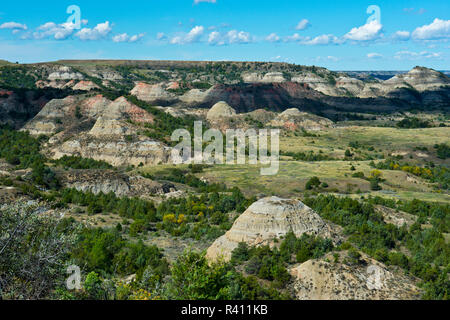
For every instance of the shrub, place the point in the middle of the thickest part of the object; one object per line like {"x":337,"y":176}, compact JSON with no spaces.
{"x":312,"y":183}
{"x":413,"y":123}
{"x":442,"y":150}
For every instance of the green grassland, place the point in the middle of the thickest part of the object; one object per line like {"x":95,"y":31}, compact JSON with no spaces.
{"x":338,"y":174}
{"x":384,"y":140}
{"x":293,"y":175}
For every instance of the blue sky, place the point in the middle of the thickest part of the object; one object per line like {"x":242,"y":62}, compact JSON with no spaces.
{"x":339,"y":35}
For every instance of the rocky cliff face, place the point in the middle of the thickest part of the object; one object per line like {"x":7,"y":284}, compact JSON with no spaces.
{"x":55,"y":116}
{"x":281,"y":96}
{"x":156,"y":94}
{"x":114,"y":149}
{"x":340,"y":85}
{"x":263,"y":78}
{"x":16,"y":109}
{"x":366,"y":279}
{"x":269,"y":219}
{"x":421,"y":79}
{"x":64,"y":73}
{"x":221,"y":116}
{"x":107,"y":181}
{"x":247,"y":87}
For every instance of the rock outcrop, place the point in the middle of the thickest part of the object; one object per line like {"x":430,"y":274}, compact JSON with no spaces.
{"x":421,"y":79}
{"x":53,"y":116}
{"x":401,"y":86}
{"x":60,"y":114}
{"x":313,"y":90}
{"x":85,"y":86}
{"x":269,"y":219}
{"x":155,"y":93}
{"x":95,"y":106}
{"x":365,"y":279}
{"x":65,"y":73}
{"x":195,"y":97}
{"x":99,"y":129}
{"x":293,"y":119}
{"x":115,"y":150}
{"x":122,"y":109}
{"x":107,"y":181}
{"x":219,"y":111}
{"x":266,"y":78}
{"x":250,"y":86}
{"x":396,"y":217}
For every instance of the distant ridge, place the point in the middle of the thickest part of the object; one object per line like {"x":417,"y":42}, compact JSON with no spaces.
{"x":381,"y":75}
{"x":4,"y":62}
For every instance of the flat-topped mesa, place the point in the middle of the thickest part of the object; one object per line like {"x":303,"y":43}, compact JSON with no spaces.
{"x":269,"y":219}
{"x":269,"y":77}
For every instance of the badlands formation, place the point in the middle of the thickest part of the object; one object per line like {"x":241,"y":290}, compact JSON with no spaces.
{"x":333,"y":277}
{"x":268,"y":219}
{"x":107,"y":181}
{"x":245,"y":87}
{"x":219,"y":111}
{"x":99,"y":129}
{"x":368,"y":279}
{"x":293,"y":119}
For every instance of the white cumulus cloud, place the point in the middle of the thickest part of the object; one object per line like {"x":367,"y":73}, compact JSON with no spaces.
{"x":13,"y":25}
{"x":367,"y":32}
{"x":294,"y":38}
{"x":230,"y":37}
{"x":235,"y":36}
{"x":411,"y":55}
{"x":438,"y":29}
{"x":215,"y":38}
{"x":100,"y":31}
{"x":55,"y":31}
{"x":323,"y":39}
{"x":302,"y":25}
{"x":273,"y":37}
{"x":402,"y":35}
{"x":192,"y":36}
{"x":124,"y":37}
